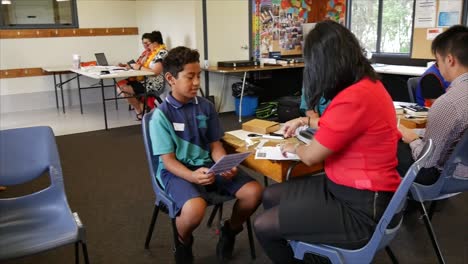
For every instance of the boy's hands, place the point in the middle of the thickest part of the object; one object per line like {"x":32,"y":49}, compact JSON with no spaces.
{"x":230,"y":173}
{"x":200,"y":176}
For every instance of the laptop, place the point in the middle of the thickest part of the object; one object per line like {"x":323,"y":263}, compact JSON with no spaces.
{"x":101,"y":59}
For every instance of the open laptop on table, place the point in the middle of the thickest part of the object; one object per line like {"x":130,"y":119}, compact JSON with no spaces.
{"x":101,"y":59}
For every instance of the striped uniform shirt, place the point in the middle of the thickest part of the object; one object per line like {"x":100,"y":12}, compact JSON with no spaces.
{"x":447,"y":122}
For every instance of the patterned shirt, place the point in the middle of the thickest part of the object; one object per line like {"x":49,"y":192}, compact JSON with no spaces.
{"x":447,"y":121}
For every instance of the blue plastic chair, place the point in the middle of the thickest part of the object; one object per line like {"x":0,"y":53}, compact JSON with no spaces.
{"x":166,"y":204}
{"x":41,"y":220}
{"x":450,"y":183}
{"x":382,"y":235}
{"x":412,"y":86}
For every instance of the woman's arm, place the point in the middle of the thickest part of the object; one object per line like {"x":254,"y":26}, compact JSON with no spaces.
{"x":310,"y":154}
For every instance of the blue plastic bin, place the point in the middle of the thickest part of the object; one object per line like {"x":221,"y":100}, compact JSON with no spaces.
{"x":249,"y":105}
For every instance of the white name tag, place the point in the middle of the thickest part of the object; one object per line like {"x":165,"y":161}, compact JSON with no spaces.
{"x":179,"y":126}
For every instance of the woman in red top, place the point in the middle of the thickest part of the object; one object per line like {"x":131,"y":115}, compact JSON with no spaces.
{"x":357,"y":141}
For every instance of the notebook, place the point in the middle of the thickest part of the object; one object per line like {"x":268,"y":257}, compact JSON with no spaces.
{"x":101,"y":59}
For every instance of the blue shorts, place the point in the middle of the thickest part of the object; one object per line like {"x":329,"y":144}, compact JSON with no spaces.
{"x":181,"y":190}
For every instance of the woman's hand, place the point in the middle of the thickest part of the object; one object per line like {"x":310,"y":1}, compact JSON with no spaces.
{"x":288,"y":147}
{"x":291,"y":126}
{"x":136,"y":66}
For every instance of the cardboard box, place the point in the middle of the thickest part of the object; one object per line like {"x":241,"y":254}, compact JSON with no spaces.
{"x":260,"y":126}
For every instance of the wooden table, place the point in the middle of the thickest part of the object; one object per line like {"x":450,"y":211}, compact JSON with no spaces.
{"x":277,"y":170}
{"x":412,"y":122}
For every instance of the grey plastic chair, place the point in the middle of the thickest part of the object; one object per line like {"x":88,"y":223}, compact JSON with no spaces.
{"x":412,"y":86}
{"x":383,"y":234}
{"x":452,"y":181}
{"x":41,"y":220}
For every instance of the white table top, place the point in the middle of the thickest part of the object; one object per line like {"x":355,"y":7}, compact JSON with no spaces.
{"x":95,"y":73}
{"x":399,"y":69}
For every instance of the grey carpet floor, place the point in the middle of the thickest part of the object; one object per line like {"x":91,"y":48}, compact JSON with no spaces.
{"x":107,"y":183}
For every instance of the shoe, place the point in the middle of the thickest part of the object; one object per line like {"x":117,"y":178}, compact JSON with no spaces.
{"x":139,"y":116}
{"x":183,"y":253}
{"x":226,"y":242}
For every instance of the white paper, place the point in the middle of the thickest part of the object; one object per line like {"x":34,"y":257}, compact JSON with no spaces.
{"x":425,"y":14}
{"x":432,"y":33}
{"x":274,"y":153}
{"x":449,"y":13}
{"x":228,"y":162}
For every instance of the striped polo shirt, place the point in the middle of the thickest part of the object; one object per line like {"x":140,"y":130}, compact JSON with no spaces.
{"x":186,"y":130}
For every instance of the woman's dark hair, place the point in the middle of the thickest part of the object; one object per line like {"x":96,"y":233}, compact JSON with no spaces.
{"x":454,"y":41}
{"x":154,"y":36}
{"x":177,"y":58}
{"x":333,"y":61}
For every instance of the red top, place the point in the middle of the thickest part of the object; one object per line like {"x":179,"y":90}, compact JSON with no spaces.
{"x":360,"y":127}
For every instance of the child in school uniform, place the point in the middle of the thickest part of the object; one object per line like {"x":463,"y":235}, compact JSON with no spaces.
{"x":185,"y":133}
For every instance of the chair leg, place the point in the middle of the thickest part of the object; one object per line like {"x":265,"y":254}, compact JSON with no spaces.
{"x":151,"y":227}
{"x":391,"y":255}
{"x":251,"y":240}
{"x":212,"y":215}
{"x":430,"y":230}
{"x":175,"y":233}
{"x":85,"y":252}
{"x":432,"y":209}
{"x":77,"y":253}
{"x":265,"y":181}
{"x":220,"y":216}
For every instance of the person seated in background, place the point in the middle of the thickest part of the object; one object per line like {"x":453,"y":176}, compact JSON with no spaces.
{"x":311,"y":116}
{"x":447,"y":119}
{"x":341,"y":206}
{"x":185,"y":132}
{"x":431,"y":85}
{"x":150,"y":60}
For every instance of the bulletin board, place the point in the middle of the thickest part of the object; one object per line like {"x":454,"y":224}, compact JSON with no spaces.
{"x":431,"y":18}
{"x":277,"y":24}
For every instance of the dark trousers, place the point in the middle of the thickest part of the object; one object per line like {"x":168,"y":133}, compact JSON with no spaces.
{"x":319,"y":211}
{"x":426,"y":176}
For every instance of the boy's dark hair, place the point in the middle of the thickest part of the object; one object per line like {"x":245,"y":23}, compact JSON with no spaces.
{"x":177,"y":58}
{"x":333,"y":61}
{"x":454,"y":41}
{"x":154,"y":36}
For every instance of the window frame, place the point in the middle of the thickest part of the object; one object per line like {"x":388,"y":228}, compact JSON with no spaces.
{"x":74,"y":24}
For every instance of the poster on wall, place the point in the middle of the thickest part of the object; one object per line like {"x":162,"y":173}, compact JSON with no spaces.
{"x":425,"y":14}
{"x":277,"y":24}
{"x":449,"y":13}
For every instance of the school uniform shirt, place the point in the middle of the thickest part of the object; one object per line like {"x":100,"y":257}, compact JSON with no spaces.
{"x":360,"y":127}
{"x":186,"y":130}
{"x":447,"y":120}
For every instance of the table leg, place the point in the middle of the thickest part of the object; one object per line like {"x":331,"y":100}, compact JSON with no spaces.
{"x":241,"y":96}
{"x":79,"y":92}
{"x":104,"y":103}
{"x":56,"y":94}
{"x":61,"y":92}
{"x":115,"y":95}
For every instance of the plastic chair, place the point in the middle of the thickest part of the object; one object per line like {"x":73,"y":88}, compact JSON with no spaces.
{"x":166,"y":204}
{"x":412,"y":86}
{"x":382,"y":235}
{"x":450,"y":183}
{"x":42,"y":220}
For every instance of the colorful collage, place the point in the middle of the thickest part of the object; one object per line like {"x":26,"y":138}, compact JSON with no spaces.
{"x":277,"y":24}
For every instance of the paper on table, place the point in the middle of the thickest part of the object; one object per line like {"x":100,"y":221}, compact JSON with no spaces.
{"x":274,"y":153}
{"x":228,"y":162}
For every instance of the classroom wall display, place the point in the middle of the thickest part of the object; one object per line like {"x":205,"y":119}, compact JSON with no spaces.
{"x":277,"y":24}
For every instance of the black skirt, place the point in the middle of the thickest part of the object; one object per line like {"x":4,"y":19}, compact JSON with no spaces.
{"x":314,"y":209}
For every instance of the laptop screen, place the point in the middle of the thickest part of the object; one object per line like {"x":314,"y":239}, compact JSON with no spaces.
{"x":101,"y":59}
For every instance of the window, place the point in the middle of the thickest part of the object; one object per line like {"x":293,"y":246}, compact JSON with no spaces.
{"x":38,"y":14}
{"x":383,"y":26}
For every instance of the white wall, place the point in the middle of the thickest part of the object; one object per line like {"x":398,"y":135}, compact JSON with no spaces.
{"x":180,"y":22}
{"x":28,"y":93}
